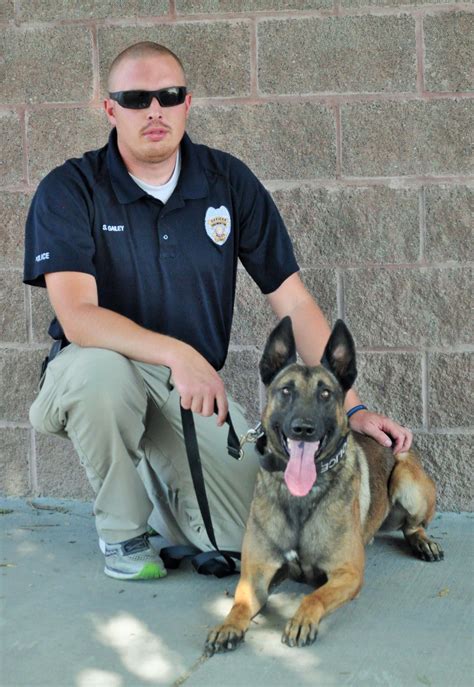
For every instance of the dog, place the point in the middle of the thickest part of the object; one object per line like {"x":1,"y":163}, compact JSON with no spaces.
{"x":321,"y":494}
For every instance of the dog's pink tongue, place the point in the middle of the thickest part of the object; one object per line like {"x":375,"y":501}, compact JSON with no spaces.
{"x":300,"y":473}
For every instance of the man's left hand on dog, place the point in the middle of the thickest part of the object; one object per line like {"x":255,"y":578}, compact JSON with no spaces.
{"x":384,"y":430}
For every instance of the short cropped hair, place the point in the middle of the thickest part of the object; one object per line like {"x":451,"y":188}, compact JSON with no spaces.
{"x":142,"y":49}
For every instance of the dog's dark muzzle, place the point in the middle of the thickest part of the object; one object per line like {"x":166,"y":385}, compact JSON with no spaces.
{"x":302,"y":429}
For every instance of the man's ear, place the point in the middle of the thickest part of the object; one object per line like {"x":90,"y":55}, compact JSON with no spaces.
{"x":109,"y":109}
{"x":280,"y":351}
{"x":339,"y":356}
{"x":187,"y":101}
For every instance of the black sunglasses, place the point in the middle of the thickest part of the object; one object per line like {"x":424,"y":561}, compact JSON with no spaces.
{"x":139,"y":100}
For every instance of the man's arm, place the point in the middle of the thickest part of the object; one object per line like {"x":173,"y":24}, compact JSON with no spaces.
{"x":311,"y":334}
{"x":74,"y":298}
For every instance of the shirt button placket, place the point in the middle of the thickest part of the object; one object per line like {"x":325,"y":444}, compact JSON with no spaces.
{"x":167,"y":244}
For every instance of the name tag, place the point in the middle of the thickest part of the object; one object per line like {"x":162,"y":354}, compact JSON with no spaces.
{"x":113,"y":227}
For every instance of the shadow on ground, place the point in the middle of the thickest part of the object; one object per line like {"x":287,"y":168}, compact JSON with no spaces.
{"x":65,"y":624}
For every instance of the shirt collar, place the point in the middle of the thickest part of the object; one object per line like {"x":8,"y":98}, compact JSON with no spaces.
{"x":192,"y":182}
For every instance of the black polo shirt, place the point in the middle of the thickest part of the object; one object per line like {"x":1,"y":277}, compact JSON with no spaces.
{"x":171,"y":268}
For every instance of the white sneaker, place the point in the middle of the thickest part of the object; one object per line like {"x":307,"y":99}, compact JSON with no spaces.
{"x":133,"y":559}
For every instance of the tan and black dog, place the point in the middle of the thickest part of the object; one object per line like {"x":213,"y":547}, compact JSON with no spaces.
{"x":321,"y":494}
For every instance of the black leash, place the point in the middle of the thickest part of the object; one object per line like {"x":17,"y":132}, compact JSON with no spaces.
{"x":217,"y":562}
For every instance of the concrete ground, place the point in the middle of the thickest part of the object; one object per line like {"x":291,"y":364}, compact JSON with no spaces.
{"x":65,"y":624}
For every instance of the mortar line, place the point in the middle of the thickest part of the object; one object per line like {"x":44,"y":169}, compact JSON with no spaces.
{"x":447,"y":431}
{"x":16,"y":12}
{"x":323,"y":98}
{"x":392,"y":266}
{"x":173,"y":17}
{"x":377,"y":350}
{"x":425,"y":390}
{"x":33,"y":465}
{"x":28,"y":314}
{"x":7,"y":424}
{"x":422,"y":224}
{"x":407,"y":182}
{"x":331,"y":98}
{"x":95,"y":64}
{"x":18,"y":346}
{"x":338,"y":122}
{"x":420,"y":55}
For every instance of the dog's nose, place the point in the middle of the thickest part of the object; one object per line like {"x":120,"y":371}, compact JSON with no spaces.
{"x":302,"y":429}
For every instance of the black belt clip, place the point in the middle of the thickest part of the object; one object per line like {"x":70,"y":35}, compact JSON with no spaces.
{"x":56,"y":348}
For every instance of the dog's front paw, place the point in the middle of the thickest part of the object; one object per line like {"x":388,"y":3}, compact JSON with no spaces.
{"x":223,"y":638}
{"x":299,"y":631}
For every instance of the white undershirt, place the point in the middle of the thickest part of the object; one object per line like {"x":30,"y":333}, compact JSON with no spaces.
{"x":163,"y":191}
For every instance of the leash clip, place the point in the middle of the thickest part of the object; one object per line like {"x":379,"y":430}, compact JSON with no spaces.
{"x":251,"y":437}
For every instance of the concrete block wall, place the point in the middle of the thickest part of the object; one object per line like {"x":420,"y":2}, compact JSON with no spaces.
{"x":358,"y":117}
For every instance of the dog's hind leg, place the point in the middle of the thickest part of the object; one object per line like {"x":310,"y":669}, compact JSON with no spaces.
{"x":412,"y":491}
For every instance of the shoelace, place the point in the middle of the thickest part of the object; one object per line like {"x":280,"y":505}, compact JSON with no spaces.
{"x":136,"y":545}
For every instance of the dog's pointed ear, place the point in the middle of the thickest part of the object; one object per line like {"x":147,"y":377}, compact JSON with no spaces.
{"x":280,"y":351}
{"x":339,"y":356}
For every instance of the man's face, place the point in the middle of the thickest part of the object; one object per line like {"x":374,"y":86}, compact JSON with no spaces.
{"x":152,"y":134}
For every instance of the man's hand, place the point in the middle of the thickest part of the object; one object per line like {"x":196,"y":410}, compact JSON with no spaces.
{"x":198,"y":384}
{"x":382,"y":429}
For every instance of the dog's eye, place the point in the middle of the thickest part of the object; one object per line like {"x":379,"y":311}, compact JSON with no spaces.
{"x":325,"y":394}
{"x":285,"y":391}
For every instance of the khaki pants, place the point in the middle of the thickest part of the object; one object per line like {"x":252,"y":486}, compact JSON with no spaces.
{"x":123,"y":418}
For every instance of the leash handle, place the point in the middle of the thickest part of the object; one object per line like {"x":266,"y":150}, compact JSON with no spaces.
{"x":195,"y":466}
{"x":234,"y":448}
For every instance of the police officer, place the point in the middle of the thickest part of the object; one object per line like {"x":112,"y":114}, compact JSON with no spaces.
{"x":137,"y":244}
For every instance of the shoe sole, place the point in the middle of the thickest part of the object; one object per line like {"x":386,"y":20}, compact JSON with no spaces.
{"x":150,"y":571}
